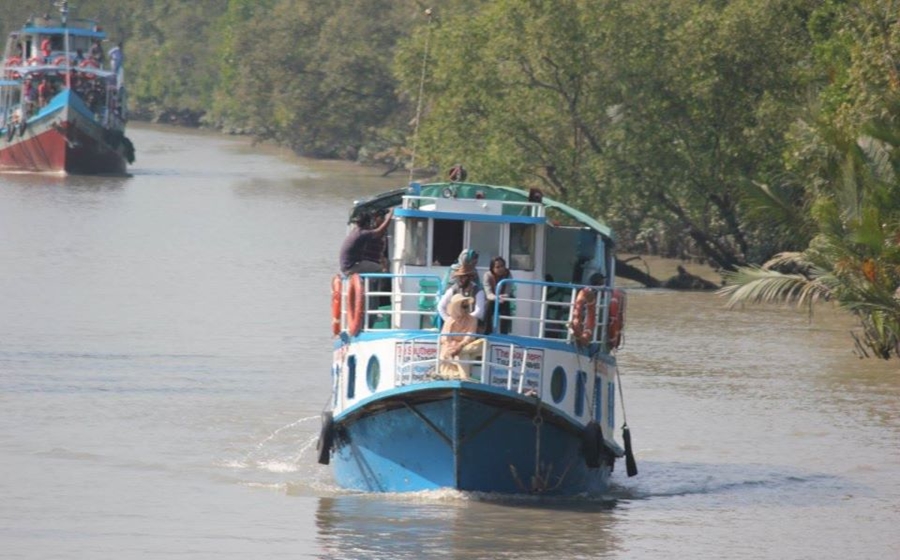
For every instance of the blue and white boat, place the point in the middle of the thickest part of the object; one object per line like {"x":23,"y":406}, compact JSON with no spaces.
{"x":536,"y":412}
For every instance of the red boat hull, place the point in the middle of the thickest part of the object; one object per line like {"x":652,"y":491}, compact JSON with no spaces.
{"x":63,"y":147}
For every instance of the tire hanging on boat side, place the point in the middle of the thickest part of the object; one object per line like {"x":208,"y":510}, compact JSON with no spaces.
{"x":326,"y":438}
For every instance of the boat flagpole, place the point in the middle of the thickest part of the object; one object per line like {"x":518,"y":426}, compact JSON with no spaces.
{"x":412,"y":159}
{"x":63,"y":6}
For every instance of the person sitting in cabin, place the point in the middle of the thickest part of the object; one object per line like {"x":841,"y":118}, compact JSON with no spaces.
{"x":78,"y":58}
{"x":46,"y":50}
{"x":353,"y":249}
{"x":460,"y":344}
{"x":465,"y":282}
{"x":492,"y":277}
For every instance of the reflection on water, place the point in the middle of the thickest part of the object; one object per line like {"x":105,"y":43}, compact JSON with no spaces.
{"x":453,"y":525}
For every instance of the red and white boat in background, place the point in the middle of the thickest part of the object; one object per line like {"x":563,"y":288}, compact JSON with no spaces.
{"x":60,"y":110}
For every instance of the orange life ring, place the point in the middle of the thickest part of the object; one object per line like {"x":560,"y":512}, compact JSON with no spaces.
{"x":617,"y":302}
{"x":336,"y":285}
{"x":59,"y":60}
{"x":89,"y":62}
{"x":13,"y":61}
{"x":584,"y":316}
{"x":355,"y":305}
{"x":35,"y":61}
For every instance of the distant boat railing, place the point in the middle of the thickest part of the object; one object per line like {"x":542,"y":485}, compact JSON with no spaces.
{"x":416,"y":296}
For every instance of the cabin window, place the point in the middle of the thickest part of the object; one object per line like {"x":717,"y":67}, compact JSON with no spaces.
{"x":521,"y":246}
{"x":558,"y":384}
{"x":448,"y":241}
{"x":611,"y":404}
{"x":484,"y":237}
{"x":415,"y":249}
{"x":373,"y":373}
{"x":580,"y":392}
{"x":351,"y":377}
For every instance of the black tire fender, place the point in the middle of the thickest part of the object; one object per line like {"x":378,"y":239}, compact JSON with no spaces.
{"x":591,"y":437}
{"x":326,"y":438}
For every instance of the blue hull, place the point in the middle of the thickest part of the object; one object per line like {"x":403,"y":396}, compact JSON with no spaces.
{"x":467,"y":437}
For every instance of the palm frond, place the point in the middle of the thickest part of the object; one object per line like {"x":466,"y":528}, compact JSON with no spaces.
{"x":758,"y":285}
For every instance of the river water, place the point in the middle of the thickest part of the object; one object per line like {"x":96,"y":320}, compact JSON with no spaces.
{"x":165,"y":353}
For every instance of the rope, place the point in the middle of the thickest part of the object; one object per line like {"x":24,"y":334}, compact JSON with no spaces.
{"x":621,"y":398}
{"x":412,"y":159}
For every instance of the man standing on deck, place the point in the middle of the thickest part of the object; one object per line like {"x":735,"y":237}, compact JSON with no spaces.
{"x":116,"y":57}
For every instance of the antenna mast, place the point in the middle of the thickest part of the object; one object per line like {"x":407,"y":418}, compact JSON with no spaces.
{"x":412,"y":159}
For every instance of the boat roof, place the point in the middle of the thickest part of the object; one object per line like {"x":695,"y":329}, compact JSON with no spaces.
{"x":53,"y":26}
{"x":472,"y":191}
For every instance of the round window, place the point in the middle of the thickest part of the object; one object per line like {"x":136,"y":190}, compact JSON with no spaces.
{"x":373,"y":373}
{"x":558,"y":384}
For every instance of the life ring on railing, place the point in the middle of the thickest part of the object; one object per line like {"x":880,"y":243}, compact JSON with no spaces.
{"x":59,"y":60}
{"x":617,"y":302}
{"x":89,"y":63}
{"x":336,"y":285}
{"x":14,"y":61}
{"x":584,"y":316}
{"x":355,"y":305}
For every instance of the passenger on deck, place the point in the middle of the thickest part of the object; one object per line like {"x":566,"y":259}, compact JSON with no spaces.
{"x":459,"y":348}
{"x":492,"y":277}
{"x":464,"y":280}
{"x":353,"y":250}
{"x":44,"y":92}
{"x":468,"y":257}
{"x":116,"y":57}
{"x":96,"y":52}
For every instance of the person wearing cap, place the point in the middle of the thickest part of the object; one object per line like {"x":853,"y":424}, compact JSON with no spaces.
{"x":464,"y":280}
{"x":353,"y":250}
{"x":468,"y":257}
{"x":459,"y":344}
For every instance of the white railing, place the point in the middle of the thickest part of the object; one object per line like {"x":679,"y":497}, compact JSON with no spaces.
{"x":419,"y":360}
{"x":416,"y":296}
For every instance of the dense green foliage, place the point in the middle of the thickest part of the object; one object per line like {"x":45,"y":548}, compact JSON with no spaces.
{"x":729,"y":130}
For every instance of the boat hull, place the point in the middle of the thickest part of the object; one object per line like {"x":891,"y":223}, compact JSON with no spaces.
{"x":467,"y":437}
{"x":63,"y":139}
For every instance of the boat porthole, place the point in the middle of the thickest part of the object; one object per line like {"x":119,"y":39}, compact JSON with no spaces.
{"x":558,"y":384}
{"x":373,"y":373}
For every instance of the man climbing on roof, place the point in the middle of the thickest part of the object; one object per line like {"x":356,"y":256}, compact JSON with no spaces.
{"x":365,"y":234}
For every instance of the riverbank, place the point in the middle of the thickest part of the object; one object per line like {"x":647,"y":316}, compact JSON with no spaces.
{"x":666,"y":269}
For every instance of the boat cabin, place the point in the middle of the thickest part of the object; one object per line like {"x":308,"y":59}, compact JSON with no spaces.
{"x":549,"y":262}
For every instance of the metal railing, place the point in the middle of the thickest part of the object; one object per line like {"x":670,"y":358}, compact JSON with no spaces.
{"x":419,"y":360}
{"x":552,"y":306}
